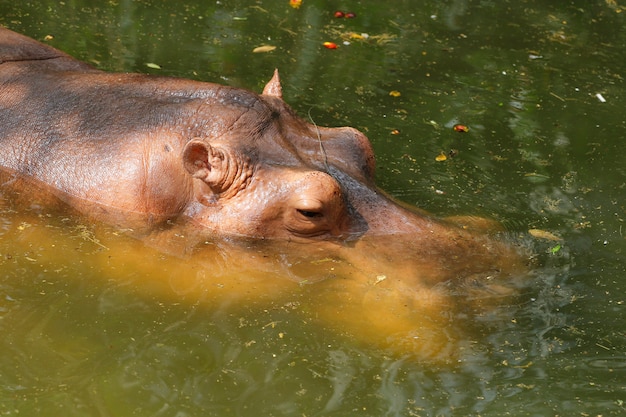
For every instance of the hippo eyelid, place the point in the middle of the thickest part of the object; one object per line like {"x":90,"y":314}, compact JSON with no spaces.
{"x":309,"y":213}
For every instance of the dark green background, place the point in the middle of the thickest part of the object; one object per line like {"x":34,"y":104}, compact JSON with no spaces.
{"x":542,"y":152}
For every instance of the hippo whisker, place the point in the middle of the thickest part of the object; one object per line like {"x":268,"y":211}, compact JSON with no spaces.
{"x":319,"y":140}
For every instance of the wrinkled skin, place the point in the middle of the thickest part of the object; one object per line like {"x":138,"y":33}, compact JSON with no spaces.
{"x":165,"y":156}
{"x":112,"y":145}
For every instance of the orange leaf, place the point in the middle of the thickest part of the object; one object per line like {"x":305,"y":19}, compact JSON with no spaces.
{"x":461,"y":128}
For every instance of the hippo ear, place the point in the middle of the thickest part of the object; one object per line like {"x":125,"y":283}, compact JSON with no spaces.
{"x":206,"y":162}
{"x":273,"y":87}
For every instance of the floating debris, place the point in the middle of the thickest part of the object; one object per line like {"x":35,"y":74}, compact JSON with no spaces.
{"x":263,"y":48}
{"x":348,"y":15}
{"x":555,"y":249}
{"x":461,"y":128}
{"x":358,"y":36}
{"x":544,"y":234}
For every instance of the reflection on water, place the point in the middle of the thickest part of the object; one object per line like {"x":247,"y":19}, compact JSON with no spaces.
{"x":97,"y":319}
{"x":85,"y":331}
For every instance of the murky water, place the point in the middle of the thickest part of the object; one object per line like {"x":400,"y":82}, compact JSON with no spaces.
{"x":95,"y":323}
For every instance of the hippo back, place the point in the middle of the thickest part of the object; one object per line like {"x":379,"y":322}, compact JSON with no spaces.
{"x":18,"y":48}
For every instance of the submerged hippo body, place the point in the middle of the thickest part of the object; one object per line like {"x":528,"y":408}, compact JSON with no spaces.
{"x":144,"y":152}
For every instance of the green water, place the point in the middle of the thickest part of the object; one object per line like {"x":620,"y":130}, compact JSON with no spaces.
{"x":544,"y":151}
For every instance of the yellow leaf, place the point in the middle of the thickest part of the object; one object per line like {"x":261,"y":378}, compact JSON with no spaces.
{"x":263,"y":48}
{"x":441,"y":157}
{"x":543,"y":234}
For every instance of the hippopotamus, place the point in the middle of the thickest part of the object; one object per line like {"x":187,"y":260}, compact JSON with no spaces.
{"x":163,"y":156}
{"x":150,"y":153}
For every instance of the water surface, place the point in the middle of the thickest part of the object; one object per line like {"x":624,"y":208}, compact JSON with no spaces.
{"x":540,"y":87}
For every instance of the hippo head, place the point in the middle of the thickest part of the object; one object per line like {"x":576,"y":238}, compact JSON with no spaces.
{"x":272,"y":175}
{"x":240,"y":196}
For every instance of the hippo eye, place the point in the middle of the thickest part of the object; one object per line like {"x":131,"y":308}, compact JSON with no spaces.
{"x":310,"y":214}
{"x":316,"y":207}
